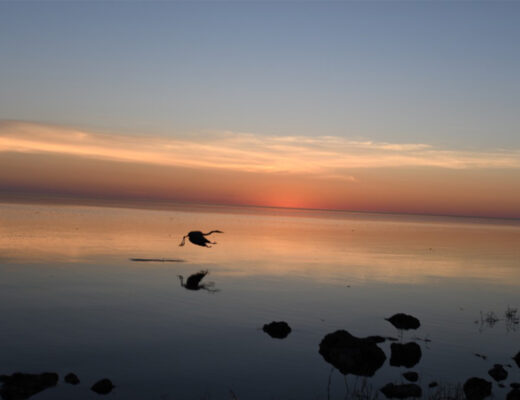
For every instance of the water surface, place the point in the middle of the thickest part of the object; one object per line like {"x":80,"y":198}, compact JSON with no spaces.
{"x":71,"y":298}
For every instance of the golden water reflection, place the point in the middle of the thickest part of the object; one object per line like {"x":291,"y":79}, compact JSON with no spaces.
{"x":324,"y":246}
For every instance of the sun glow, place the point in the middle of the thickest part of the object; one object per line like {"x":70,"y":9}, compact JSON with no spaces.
{"x":246,"y":169}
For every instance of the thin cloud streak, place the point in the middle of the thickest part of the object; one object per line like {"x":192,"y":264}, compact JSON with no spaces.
{"x":324,"y":156}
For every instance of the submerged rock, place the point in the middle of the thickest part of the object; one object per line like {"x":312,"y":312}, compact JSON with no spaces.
{"x":19,"y":386}
{"x":411,"y":376}
{"x":71,"y":378}
{"x":404,"y":321}
{"x":513,"y":395}
{"x":477,"y":389}
{"x":433,"y":384}
{"x":498,"y":372}
{"x":104,"y":386}
{"x":517,"y":359}
{"x":352,"y":355}
{"x":278,"y":330}
{"x":407,"y":355}
{"x":403,"y":391}
{"x":515,"y":385}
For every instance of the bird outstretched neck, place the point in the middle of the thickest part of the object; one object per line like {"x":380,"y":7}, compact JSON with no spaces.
{"x":210,"y":232}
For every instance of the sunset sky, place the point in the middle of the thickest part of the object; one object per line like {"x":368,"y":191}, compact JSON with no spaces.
{"x":364,"y":106}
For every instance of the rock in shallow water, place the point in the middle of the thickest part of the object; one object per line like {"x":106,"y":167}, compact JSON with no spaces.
{"x":498,"y":372}
{"x":517,"y":359}
{"x":71,"y":378}
{"x":513,"y":395}
{"x":277,"y":329}
{"x":477,"y":389}
{"x":404,"y":321}
{"x":19,"y":386}
{"x":403,"y":391}
{"x":104,"y":386}
{"x":407,"y":354}
{"x":352,"y":355}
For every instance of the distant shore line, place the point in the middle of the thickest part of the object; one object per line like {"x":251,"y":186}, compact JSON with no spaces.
{"x":176,"y":205}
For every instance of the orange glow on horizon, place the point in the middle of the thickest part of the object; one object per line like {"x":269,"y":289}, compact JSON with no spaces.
{"x":311,"y":173}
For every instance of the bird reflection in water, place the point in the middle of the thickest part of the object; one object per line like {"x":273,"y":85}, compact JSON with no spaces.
{"x":193,"y":282}
{"x":199,"y":238}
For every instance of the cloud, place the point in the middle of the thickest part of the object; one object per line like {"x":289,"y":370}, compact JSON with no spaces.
{"x":324,"y":156}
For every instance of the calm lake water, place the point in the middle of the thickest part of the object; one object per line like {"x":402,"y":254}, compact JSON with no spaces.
{"x":71,"y":298}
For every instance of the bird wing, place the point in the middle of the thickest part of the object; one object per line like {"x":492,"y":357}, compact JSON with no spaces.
{"x":193,"y":280}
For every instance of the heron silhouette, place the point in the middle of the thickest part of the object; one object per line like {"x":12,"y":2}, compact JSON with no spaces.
{"x":199,"y":238}
{"x":193,"y":282}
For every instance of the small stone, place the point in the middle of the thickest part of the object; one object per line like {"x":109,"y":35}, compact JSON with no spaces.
{"x":513,"y":395}
{"x":517,"y":359}
{"x":277,"y":329}
{"x":71,"y":378}
{"x":407,"y":355}
{"x":411,"y":376}
{"x":104,"y":386}
{"x":515,"y":385}
{"x":477,"y":389}
{"x":404,"y":321}
{"x":498,"y":373}
{"x":433,"y":384}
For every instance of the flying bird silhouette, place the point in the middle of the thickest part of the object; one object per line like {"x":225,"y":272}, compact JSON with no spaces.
{"x":198,"y":238}
{"x":193,"y":282}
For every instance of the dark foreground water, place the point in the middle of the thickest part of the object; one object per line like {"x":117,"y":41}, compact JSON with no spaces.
{"x":71,"y":298}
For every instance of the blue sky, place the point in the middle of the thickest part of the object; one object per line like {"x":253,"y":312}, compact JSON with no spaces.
{"x":444,"y":73}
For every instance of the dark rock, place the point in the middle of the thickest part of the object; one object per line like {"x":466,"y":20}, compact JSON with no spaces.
{"x":104,"y":386}
{"x":517,"y":359}
{"x":19,"y":386}
{"x":515,"y":385}
{"x":411,"y":376}
{"x":513,"y":395}
{"x":352,"y":355}
{"x":278,"y":330}
{"x":477,"y":389}
{"x":71,"y":378}
{"x":407,"y":355}
{"x":501,"y":385}
{"x":403,"y":391}
{"x":433,"y":384}
{"x":498,"y":372}
{"x":404,"y":321}
{"x":376,"y":339}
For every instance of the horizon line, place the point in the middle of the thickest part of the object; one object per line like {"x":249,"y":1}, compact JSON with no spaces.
{"x":49,"y":199}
